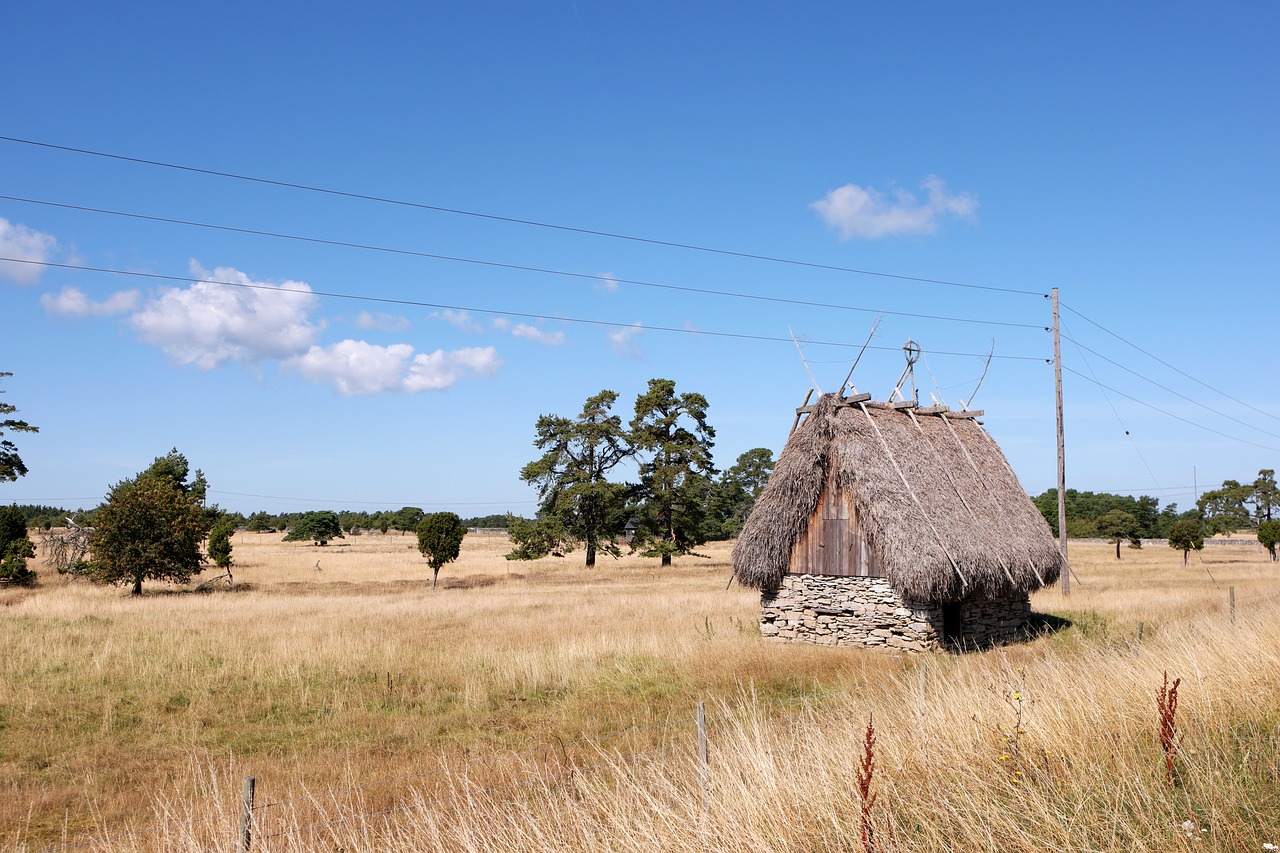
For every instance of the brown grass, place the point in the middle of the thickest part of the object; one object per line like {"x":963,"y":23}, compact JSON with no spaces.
{"x":119,"y":714}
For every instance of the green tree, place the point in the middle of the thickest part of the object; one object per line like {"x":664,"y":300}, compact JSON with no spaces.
{"x":671,"y":432}
{"x":150,"y":528}
{"x":1185,"y":536}
{"x":15,"y":547}
{"x":1118,"y":525}
{"x":1269,"y":536}
{"x":406,"y":519}
{"x":440,"y":539}
{"x":1266,"y":495}
{"x":534,"y":538}
{"x":735,"y":492}
{"x":570,"y":477}
{"x":11,"y":464}
{"x":259,"y":522}
{"x":1224,"y":509}
{"x":219,"y":547}
{"x":318,"y":527}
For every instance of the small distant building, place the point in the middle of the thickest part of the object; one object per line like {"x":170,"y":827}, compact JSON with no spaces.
{"x":887,"y":524}
{"x":629,"y":531}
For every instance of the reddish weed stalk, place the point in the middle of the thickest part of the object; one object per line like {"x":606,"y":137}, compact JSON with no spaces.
{"x":1167,"y":711}
{"x":866,"y":771}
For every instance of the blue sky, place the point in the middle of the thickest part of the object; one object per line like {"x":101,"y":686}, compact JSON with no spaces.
{"x":1123,"y":153}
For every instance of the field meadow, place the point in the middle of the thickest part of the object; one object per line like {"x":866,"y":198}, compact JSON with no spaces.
{"x":541,"y":705}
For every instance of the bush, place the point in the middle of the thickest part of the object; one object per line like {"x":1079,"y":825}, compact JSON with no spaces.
{"x":440,"y":540}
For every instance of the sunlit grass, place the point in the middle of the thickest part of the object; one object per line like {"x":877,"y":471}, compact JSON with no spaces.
{"x":118,"y":712}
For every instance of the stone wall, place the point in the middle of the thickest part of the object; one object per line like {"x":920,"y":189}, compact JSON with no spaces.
{"x":861,"y":611}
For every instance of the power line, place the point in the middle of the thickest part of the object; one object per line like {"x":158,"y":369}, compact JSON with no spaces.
{"x":492,"y":311}
{"x":1167,"y":364}
{"x":513,"y":220}
{"x":1170,"y":414}
{"x":1116,"y":412}
{"x":1181,"y":394}
{"x":507,"y":266}
{"x":370,"y":503}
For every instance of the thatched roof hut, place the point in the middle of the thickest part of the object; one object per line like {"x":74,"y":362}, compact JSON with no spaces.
{"x":921,"y":497}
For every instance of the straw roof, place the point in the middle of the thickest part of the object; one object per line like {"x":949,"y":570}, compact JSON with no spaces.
{"x":939,"y":504}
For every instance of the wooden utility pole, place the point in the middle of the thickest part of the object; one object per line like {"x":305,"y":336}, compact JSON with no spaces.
{"x":1062,"y":452}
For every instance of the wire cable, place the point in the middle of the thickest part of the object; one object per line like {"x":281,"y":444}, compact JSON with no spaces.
{"x":1207,"y":408}
{"x":370,"y":503}
{"x":491,"y":311}
{"x":1116,"y":412}
{"x":513,"y":220}
{"x":517,"y":267}
{"x":1171,"y":414}
{"x":1167,"y":364}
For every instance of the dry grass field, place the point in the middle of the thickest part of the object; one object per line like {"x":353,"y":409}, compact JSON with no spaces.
{"x":531,"y":706}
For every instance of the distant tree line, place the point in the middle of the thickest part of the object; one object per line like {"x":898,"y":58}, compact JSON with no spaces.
{"x":1233,"y":506}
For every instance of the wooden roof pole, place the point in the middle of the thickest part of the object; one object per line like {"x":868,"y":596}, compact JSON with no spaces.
{"x":994,"y":504}
{"x":964,"y":582}
{"x":956,"y":487}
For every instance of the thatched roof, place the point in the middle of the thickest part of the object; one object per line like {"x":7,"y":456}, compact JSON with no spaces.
{"x":940,"y":505}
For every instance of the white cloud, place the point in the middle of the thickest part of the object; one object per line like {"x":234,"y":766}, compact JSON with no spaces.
{"x":207,"y":324}
{"x":441,"y":369}
{"x":382,"y":322}
{"x":625,"y":341}
{"x":538,"y":336}
{"x":24,"y":244}
{"x":501,"y":323}
{"x":358,"y":367}
{"x":607,"y":282}
{"x":461,"y":320}
{"x":864,"y":212}
{"x":72,"y":302}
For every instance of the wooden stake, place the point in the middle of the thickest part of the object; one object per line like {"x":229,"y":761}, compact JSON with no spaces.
{"x":246,"y":815}
{"x":704,"y":765}
{"x":1233,"y":605}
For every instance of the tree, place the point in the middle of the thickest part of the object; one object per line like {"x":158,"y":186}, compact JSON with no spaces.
{"x":570,"y":477}
{"x":220,"y":543}
{"x":675,"y":479}
{"x":1185,"y":536}
{"x":1269,"y":536}
{"x":1224,"y":509}
{"x":735,"y":492}
{"x":11,"y":464}
{"x":406,"y":519}
{"x":536,"y":538}
{"x":150,"y":528}
{"x":440,"y":539}
{"x":318,"y":527}
{"x":1266,"y":495}
{"x":259,"y":522}
{"x":1117,"y":526}
{"x":15,"y":547}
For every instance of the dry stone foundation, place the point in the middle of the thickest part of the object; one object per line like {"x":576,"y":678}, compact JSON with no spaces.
{"x":866,"y":611}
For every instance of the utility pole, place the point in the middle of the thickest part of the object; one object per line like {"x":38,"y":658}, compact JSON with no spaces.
{"x":1062,"y":452}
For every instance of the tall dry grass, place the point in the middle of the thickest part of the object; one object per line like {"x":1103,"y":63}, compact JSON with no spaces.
{"x":124,"y":714}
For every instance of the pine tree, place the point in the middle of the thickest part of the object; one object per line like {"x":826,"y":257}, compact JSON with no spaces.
{"x":670,"y":432}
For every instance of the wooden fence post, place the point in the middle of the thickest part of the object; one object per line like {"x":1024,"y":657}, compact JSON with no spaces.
{"x":246,"y":815}
{"x":704,"y":766}
{"x":1233,"y":605}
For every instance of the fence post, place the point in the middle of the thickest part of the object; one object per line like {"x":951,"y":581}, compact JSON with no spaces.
{"x":246,"y":815}
{"x":704,"y":769}
{"x":1233,"y":605}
